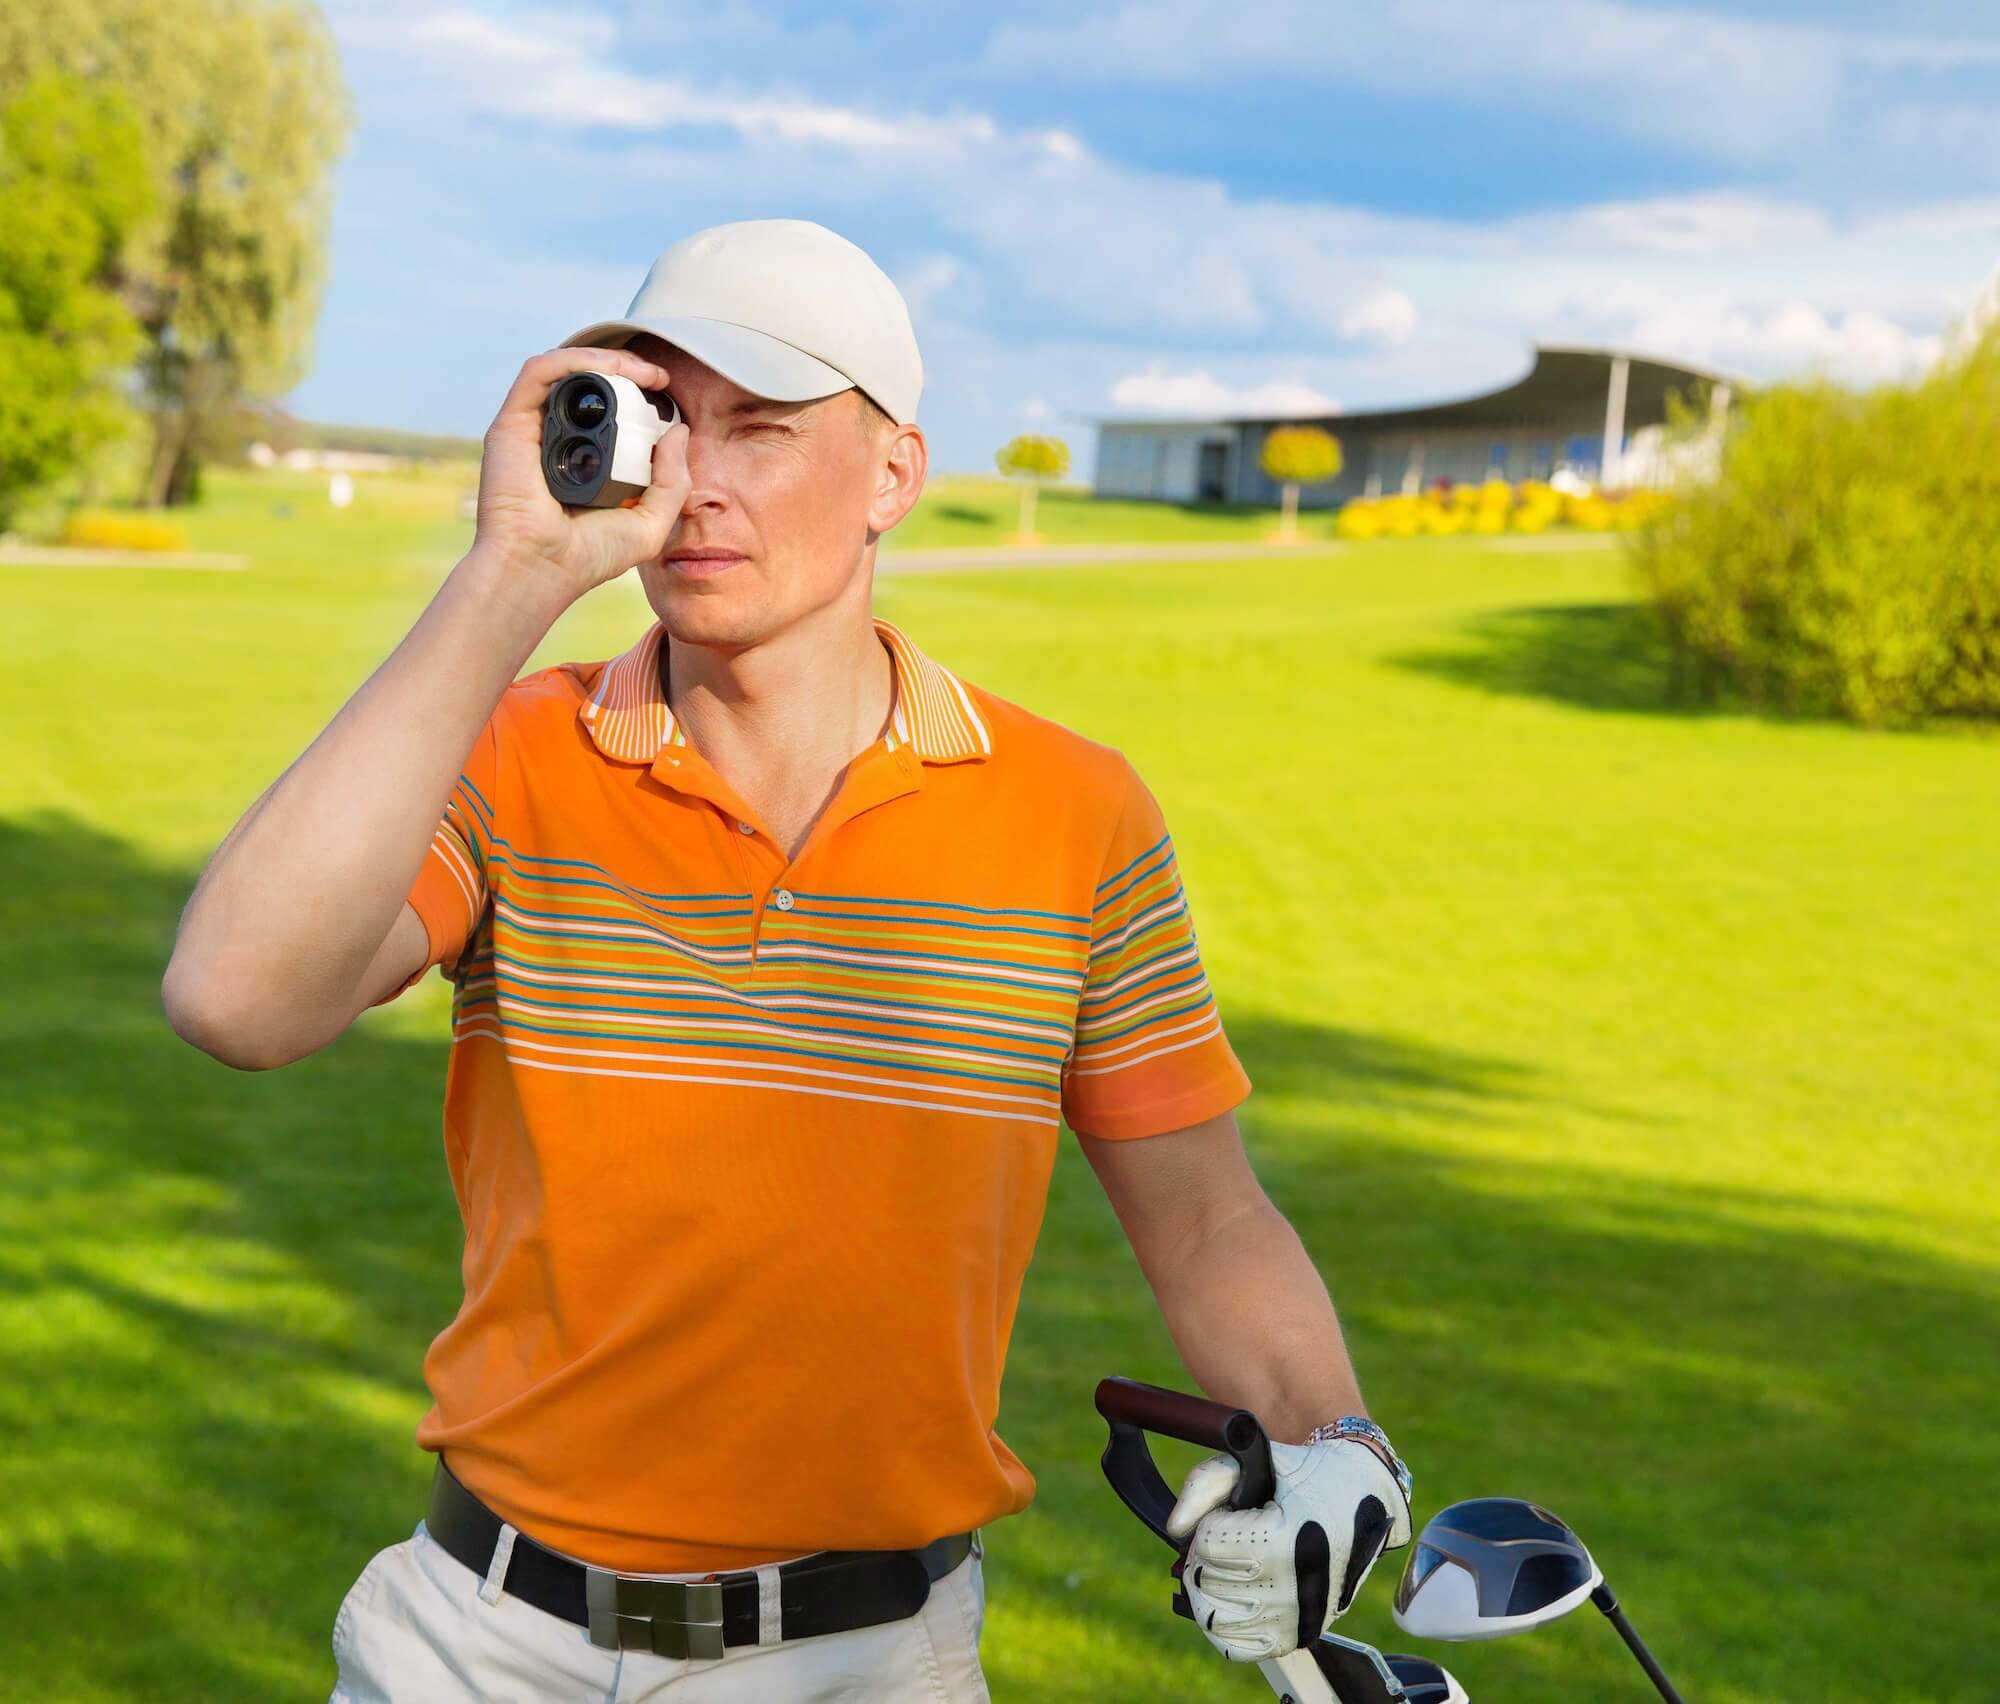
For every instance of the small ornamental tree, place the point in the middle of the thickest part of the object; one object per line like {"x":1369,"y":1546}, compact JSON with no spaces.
{"x":1031,"y":460}
{"x":1295,"y":456}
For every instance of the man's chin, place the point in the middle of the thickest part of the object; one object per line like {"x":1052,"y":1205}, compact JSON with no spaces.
{"x":696,"y":613}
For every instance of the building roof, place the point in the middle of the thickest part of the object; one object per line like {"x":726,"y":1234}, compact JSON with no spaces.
{"x":1565,"y":379}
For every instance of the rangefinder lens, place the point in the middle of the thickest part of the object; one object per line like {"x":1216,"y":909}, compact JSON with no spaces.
{"x":579,"y":461}
{"x":587,"y":406}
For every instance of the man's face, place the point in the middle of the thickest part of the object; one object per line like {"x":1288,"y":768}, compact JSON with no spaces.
{"x":794,"y":487}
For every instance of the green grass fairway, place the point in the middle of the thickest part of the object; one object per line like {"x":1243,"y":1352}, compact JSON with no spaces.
{"x":1631,"y":1075}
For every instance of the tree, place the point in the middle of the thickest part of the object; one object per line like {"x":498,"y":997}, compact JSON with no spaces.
{"x":1295,"y":456}
{"x":73,"y":186}
{"x":243,"y":113}
{"x":1032,"y":459}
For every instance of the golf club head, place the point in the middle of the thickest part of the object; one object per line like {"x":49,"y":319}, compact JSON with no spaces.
{"x":1336,"y":1670}
{"x":1425,"y":1682}
{"x":1492,"y":1566}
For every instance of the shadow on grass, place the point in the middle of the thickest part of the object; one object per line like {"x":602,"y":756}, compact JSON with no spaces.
{"x":1596,"y":656}
{"x":1682,"y":1373}
{"x":216,"y":1290}
{"x":1614,"y":657}
{"x":963,"y":512}
{"x":1208,"y":509}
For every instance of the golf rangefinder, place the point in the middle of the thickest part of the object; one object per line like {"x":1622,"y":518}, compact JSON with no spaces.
{"x":598,"y":433}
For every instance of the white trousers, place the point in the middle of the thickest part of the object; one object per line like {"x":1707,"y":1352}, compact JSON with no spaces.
{"x":419,"y":1627}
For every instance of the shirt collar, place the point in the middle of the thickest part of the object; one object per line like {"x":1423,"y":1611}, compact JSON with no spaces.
{"x":628,"y":716}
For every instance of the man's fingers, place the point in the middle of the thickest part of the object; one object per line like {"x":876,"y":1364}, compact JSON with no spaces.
{"x":541,"y":373}
{"x":1244,"y":1636}
{"x":662,"y":499}
{"x":637,"y":530}
{"x":1206,"y":1488}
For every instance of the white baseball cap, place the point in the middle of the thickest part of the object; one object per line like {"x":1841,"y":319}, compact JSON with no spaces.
{"x":783,"y":307}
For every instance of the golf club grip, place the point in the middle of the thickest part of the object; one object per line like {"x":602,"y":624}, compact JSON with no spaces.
{"x":1132,"y":1409}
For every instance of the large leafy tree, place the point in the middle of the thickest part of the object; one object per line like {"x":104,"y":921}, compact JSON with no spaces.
{"x":73,"y":188}
{"x":243,"y":113}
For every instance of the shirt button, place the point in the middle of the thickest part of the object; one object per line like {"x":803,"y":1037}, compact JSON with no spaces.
{"x":746,"y":828}
{"x":784,"y":898}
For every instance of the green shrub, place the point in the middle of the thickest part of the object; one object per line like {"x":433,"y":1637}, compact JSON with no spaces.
{"x":1846,"y":558}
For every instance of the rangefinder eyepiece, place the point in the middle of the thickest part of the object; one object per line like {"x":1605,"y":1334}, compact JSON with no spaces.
{"x":598,"y":433}
{"x":587,"y":405}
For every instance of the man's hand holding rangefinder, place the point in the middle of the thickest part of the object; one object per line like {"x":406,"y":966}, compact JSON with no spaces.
{"x":522,"y":525}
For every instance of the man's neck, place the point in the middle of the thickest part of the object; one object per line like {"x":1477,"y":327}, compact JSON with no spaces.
{"x":796,"y":708}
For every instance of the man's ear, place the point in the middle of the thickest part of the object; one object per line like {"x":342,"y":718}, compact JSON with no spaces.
{"x":903,"y":465}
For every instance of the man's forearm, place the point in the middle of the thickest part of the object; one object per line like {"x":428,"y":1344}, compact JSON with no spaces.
{"x":1256,"y":1327}
{"x":302,"y":891}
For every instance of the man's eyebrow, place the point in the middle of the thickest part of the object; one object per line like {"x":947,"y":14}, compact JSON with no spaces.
{"x":763,"y":405}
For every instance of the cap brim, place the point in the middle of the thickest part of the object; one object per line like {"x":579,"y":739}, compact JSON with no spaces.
{"x":762,"y":364}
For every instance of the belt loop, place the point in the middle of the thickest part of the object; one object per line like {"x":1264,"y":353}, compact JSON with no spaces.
{"x":978,"y":1546}
{"x":496,"y":1575}
{"x":770,"y":1606}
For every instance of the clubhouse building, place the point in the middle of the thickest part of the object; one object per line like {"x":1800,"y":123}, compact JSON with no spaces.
{"x":1590,"y":415}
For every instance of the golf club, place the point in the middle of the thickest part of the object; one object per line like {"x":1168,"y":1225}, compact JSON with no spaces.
{"x":1331,"y":1670}
{"x":1492,"y":1566}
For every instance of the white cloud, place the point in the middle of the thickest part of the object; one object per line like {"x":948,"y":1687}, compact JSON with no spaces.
{"x":926,"y":279}
{"x":1795,"y":336}
{"x":556,"y":74}
{"x":1105,"y":244}
{"x":1742,"y":329}
{"x":1714,"y":85}
{"x":1718,"y":223}
{"x":1036,"y":409}
{"x":1972,"y":216}
{"x":1386,"y":316}
{"x":1160,"y":392}
{"x":1253,"y":304}
{"x":1734,"y":87}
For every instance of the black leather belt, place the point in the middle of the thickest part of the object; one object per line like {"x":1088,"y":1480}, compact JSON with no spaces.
{"x":829,"y":1591}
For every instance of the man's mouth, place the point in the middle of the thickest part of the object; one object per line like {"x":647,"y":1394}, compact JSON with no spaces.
{"x":705,"y":561}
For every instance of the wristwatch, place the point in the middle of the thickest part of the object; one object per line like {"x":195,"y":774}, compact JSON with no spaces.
{"x":1360,"y":1426}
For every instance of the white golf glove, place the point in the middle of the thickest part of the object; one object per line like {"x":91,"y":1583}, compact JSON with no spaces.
{"x":1262,"y":1582}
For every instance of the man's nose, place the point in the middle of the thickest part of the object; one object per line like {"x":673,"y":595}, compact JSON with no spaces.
{"x":704,"y":465}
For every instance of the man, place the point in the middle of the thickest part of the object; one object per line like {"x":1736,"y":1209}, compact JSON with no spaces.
{"x":779,"y":954}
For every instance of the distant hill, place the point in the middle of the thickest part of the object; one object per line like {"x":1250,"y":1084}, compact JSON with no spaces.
{"x":381,"y":440}
{"x":267,"y":423}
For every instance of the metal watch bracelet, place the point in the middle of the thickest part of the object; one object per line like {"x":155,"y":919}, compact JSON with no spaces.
{"x":1360,"y":1426}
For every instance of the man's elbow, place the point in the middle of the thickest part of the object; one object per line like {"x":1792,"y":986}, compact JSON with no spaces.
{"x":204,"y":1021}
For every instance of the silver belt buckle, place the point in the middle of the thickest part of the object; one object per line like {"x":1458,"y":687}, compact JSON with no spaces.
{"x":671,"y":1618}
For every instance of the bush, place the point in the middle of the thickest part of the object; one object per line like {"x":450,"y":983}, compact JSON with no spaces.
{"x":1402,"y":517}
{"x":1590,"y":513}
{"x":1846,"y":559}
{"x":102,"y":531}
{"x":1490,"y":507}
{"x":1359,"y":518}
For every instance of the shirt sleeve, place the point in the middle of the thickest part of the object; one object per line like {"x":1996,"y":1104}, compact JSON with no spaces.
{"x":1149,"y":1055}
{"x":450,"y":892}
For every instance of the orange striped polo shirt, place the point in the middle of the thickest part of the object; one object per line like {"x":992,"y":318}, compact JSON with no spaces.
{"x":752,"y":1152}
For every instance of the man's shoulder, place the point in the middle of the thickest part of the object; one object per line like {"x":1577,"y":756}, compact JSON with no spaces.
{"x":1038,"y":748}
{"x":545,"y":703}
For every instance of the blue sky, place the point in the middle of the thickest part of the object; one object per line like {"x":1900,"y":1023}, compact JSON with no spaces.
{"x":1173,"y":207}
